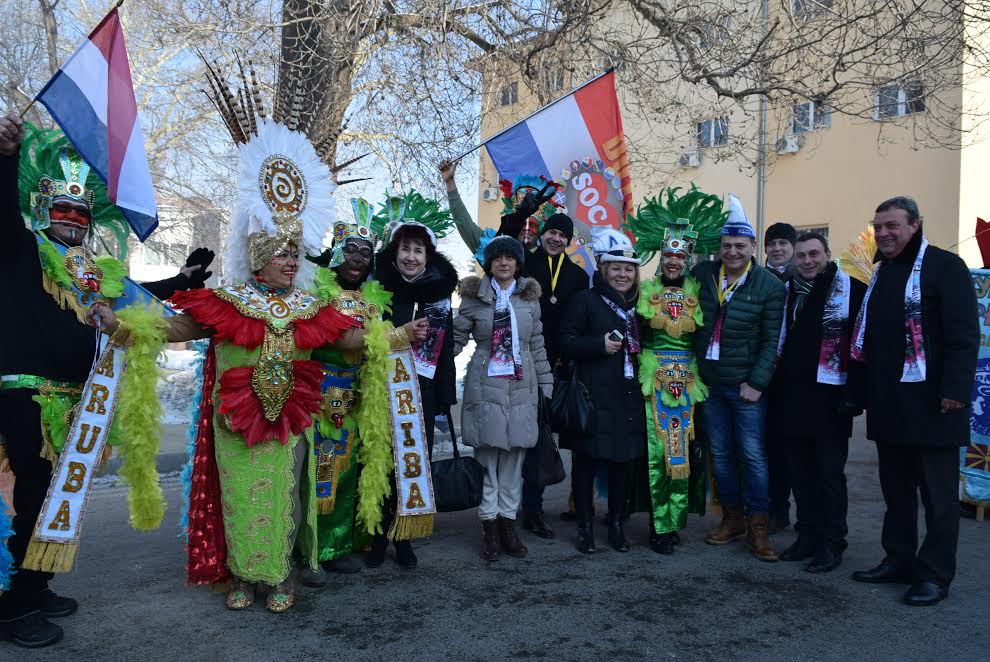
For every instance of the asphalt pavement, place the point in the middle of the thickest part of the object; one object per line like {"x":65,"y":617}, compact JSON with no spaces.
{"x":702,"y":603}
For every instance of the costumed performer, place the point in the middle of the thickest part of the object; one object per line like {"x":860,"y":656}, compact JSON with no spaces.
{"x":421,"y":281}
{"x":673,"y":474}
{"x":344,"y":281}
{"x":253,"y":500}
{"x":55,"y":214}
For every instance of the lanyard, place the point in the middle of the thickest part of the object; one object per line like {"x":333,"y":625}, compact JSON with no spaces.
{"x":554,"y":275}
{"x":724,"y":295}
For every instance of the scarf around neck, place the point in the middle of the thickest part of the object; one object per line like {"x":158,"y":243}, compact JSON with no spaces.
{"x":915,"y":366}
{"x":834,"y":350}
{"x":723,"y":292}
{"x":630,"y":344}
{"x":505,"y":360}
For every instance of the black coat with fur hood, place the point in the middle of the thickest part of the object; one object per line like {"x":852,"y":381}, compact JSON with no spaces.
{"x":438,"y":282}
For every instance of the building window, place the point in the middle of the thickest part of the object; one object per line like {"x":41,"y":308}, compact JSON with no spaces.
{"x":509,"y":94}
{"x":900,"y":99}
{"x":810,"y":116}
{"x":553,"y":79}
{"x":808,"y":9}
{"x":715,"y":32}
{"x":820,"y":229}
{"x":713,"y":132}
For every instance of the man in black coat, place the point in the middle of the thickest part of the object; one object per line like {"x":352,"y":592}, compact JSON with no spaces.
{"x":808,"y":385}
{"x":918,"y":336}
{"x":778,"y":245}
{"x":559,"y":279}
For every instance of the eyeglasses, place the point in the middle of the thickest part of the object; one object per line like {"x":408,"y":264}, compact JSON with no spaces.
{"x":351,"y":250}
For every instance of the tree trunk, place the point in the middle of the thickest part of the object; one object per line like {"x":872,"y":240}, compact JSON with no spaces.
{"x":51,"y":33}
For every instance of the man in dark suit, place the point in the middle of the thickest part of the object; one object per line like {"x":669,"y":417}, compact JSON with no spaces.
{"x":918,"y":336}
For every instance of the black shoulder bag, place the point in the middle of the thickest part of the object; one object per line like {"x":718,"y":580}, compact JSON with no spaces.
{"x":458,"y":481}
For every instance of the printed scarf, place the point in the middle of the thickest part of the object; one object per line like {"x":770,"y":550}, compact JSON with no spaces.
{"x":834,"y":351}
{"x":915,"y":365}
{"x":724,"y":292}
{"x":505,"y":360}
{"x":630,"y":344}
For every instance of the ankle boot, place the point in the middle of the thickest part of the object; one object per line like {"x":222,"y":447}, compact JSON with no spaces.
{"x":732,"y":526}
{"x":757,"y":538}
{"x":405,"y":555}
{"x":509,"y":538}
{"x":586,"y":536}
{"x":377,"y":554}
{"x":489,"y":545}
{"x":616,"y":534}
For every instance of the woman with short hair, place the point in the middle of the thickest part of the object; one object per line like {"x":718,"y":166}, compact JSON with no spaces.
{"x":505,"y":377}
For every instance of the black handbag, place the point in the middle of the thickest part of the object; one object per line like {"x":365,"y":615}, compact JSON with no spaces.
{"x":543,"y":466}
{"x":571,"y":410}
{"x":458,"y":481}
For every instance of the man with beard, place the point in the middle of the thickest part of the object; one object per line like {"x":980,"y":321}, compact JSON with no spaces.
{"x":50,"y":349}
{"x":559,"y":280}
{"x":808,"y":388}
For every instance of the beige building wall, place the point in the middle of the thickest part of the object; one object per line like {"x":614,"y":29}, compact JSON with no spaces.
{"x":835,"y":180}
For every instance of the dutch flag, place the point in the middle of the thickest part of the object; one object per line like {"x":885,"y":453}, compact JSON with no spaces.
{"x":92,"y":99}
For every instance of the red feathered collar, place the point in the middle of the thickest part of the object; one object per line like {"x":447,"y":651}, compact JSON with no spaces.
{"x":236,"y":316}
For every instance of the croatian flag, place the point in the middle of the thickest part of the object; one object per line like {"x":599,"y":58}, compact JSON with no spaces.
{"x":92,"y":99}
{"x":576,"y":133}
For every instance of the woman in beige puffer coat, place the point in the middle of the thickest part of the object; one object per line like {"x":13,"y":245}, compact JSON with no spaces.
{"x":499,"y":412}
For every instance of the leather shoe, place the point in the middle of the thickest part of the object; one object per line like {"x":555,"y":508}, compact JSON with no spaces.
{"x":826,"y":560}
{"x":885,"y":573}
{"x":800,"y":549}
{"x":662,"y":543}
{"x":923,"y":594}
{"x":30,"y":631}
{"x":568,"y":516}
{"x":536,"y":524}
{"x":53,"y":605}
{"x":345,"y":565}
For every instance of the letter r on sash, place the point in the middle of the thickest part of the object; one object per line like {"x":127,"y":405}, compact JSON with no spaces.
{"x":405,"y":399}
{"x":98,"y":396}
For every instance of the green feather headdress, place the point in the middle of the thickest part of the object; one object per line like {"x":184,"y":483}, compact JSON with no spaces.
{"x":45,"y":153}
{"x":412,"y":206}
{"x":664,"y":215}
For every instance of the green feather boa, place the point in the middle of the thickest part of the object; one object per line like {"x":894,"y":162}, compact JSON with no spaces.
{"x":138,"y":414}
{"x":375,"y":455}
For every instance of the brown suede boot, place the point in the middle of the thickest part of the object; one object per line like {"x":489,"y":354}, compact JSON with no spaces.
{"x":732,"y":527}
{"x":509,"y":538}
{"x":757,"y":538}
{"x":489,"y":544}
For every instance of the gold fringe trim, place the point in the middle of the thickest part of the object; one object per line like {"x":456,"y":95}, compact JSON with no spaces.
{"x":410,"y":527}
{"x":50,"y":556}
{"x":325,"y":505}
{"x":48,"y":451}
{"x":681,"y":471}
{"x":65,"y":300}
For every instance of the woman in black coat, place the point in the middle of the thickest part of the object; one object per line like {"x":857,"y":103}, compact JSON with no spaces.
{"x":421,"y":281}
{"x":609,"y":371}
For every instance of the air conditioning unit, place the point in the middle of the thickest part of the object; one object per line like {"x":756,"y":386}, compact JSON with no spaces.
{"x":691,"y":159}
{"x":490,"y":194}
{"x":789,"y":144}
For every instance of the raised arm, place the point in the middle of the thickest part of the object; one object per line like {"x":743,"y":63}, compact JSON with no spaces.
{"x":13,"y":235}
{"x":466,"y":227}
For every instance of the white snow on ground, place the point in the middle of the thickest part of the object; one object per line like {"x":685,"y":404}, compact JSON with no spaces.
{"x":177,"y":384}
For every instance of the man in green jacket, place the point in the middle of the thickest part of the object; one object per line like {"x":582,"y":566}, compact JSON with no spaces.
{"x":743,"y":305}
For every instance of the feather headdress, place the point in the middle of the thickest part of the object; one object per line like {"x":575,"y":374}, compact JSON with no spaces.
{"x":690,"y":223}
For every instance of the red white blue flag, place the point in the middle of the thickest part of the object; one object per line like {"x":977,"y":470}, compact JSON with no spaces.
{"x":576,"y":141}
{"x":92,"y":99}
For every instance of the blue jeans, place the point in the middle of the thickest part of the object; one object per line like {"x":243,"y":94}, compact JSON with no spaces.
{"x":736,"y":429}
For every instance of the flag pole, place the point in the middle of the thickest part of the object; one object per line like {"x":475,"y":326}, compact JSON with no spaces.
{"x":555,"y":101}
{"x":112,"y":9}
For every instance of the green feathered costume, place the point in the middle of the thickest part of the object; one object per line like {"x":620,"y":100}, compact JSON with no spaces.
{"x":672,"y":225}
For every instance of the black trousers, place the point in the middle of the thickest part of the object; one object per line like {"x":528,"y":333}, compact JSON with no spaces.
{"x":934,"y":472}
{"x":583,"y":481}
{"x":779,"y":475}
{"x":818,"y":475}
{"x":20,"y":425}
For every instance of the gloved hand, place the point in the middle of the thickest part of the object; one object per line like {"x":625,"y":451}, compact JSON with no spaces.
{"x":534,"y":200}
{"x":195,"y":268}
